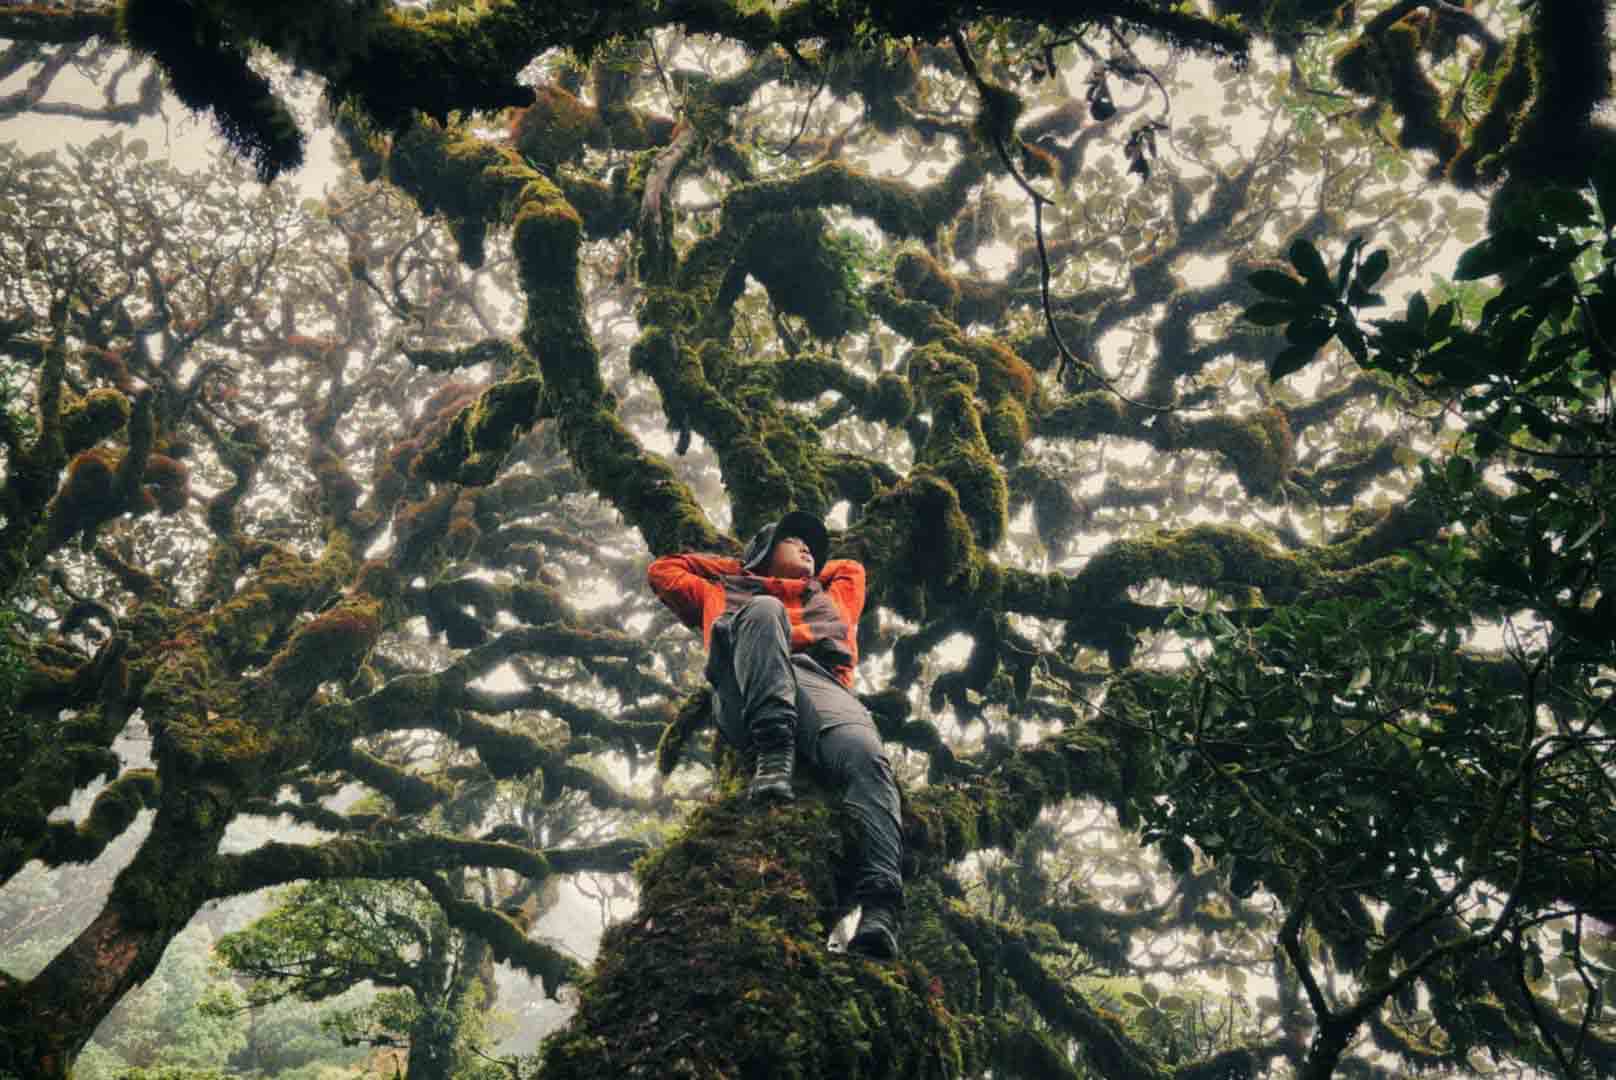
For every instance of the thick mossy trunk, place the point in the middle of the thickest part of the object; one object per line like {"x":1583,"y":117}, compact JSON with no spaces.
{"x":45,"y":1021}
{"x":724,"y":971}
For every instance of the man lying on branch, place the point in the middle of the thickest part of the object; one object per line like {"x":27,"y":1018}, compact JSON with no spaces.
{"x":782,"y":641}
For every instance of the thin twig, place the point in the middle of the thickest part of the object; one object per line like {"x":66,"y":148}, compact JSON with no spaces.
{"x":1068,"y":358}
{"x":824,"y":79}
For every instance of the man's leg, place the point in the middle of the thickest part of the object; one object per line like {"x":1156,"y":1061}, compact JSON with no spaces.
{"x":757,"y":690}
{"x":838,"y":737}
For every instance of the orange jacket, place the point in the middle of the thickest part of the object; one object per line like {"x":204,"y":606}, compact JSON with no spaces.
{"x":824,"y":611}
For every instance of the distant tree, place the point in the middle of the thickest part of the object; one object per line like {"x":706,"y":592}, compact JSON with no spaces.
{"x":965,"y":279}
{"x":327,"y":938}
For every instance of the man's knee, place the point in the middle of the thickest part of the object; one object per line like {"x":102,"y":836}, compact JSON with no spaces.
{"x":760,"y":610}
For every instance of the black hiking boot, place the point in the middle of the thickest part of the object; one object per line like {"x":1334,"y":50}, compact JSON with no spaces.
{"x":877,"y":933}
{"x":771,"y":782}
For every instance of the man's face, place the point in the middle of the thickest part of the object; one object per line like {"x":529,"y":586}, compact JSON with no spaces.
{"x":791,"y":558}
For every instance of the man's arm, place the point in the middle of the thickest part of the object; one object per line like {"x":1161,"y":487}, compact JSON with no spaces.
{"x":689,"y":584}
{"x":844,"y":581}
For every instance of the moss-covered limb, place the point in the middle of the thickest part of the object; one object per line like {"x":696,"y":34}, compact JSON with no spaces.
{"x":1107,"y":936}
{"x":444,"y":604}
{"x":900,"y":209}
{"x":87,"y":420}
{"x":475,"y":445}
{"x":857,"y":478}
{"x":807,"y":271}
{"x":241,"y":451}
{"x":561,"y":775}
{"x":637,"y":729}
{"x":328,"y":648}
{"x":551,"y":639}
{"x":32,"y":477}
{"x":658,"y":260}
{"x":957,"y":448}
{"x":546,"y":235}
{"x":1025,"y":1054}
{"x":694,"y":712}
{"x":409,"y":792}
{"x":1572,"y":84}
{"x":275,"y":863}
{"x":1015,"y":952}
{"x":113,"y":811}
{"x":759,"y":485}
{"x":1004,"y":380}
{"x":917,"y":546}
{"x":313,"y":814}
{"x":282,"y":585}
{"x":1260,"y":448}
{"x":505,"y":938}
{"x":947,"y":823}
{"x":42,"y":768}
{"x":144,"y":586}
{"x":1341,"y":479}
{"x":206,"y":66}
{"x":501,"y":353}
{"x":1374,"y":536}
{"x":726,"y":951}
{"x":966,"y":299}
{"x":557,"y":127}
{"x":48,"y":24}
{"x":1207,"y":556}
{"x":440,"y":63}
{"x":474,"y":183}
{"x":152,"y":899}
{"x":523,"y":491}
{"x":808,"y":374}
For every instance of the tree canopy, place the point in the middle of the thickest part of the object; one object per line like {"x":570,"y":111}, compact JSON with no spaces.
{"x":1243,"y":639}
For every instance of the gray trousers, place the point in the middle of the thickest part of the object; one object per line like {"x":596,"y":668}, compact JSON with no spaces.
{"x":767,"y":697}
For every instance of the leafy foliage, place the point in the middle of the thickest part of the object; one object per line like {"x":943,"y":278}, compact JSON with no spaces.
{"x":353,"y":494}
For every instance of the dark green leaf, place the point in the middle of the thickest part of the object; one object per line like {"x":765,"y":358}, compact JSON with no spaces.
{"x":1307,"y":260}
{"x":1353,"y":339}
{"x":1441,"y":321}
{"x":1309,"y":333}
{"x":1373,"y":268}
{"x":1277,"y":283}
{"x":1498,"y":253}
{"x":1563,"y":207}
{"x":1271,"y":313}
{"x":1292,"y":359}
{"x":1418,"y":312}
{"x":1605,"y":188}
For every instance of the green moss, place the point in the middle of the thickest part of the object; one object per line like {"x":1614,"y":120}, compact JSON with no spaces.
{"x":473,"y":183}
{"x":1007,"y":429}
{"x":479,"y":439}
{"x":807,"y":271}
{"x":957,"y":447}
{"x":1260,"y":449}
{"x":331,"y":646}
{"x":723,"y":971}
{"x":88,"y":420}
{"x":921,"y":277}
{"x":555,"y":128}
{"x":88,"y":497}
{"x":1084,"y":416}
{"x":1482,"y":158}
{"x":206,"y":68}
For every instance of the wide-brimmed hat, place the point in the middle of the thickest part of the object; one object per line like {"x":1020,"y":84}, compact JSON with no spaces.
{"x":799,"y":523}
